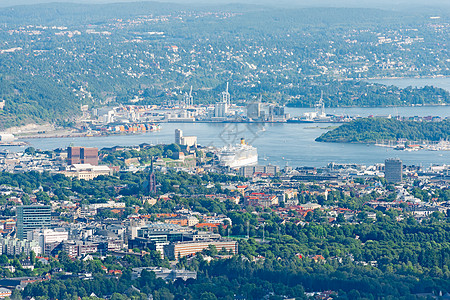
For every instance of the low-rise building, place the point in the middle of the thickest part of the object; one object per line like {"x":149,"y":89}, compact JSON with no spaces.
{"x":178,"y":250}
{"x":263,"y":171}
{"x":261,"y":199}
{"x":78,"y":248}
{"x":86,"y":171}
{"x":166,"y":274}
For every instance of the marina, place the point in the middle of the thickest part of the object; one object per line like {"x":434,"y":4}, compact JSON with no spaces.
{"x":404,"y":145}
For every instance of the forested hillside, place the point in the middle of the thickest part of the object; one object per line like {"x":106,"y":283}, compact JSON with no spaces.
{"x":74,"y":54}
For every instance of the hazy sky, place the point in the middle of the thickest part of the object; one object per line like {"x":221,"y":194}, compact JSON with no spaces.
{"x":337,"y":3}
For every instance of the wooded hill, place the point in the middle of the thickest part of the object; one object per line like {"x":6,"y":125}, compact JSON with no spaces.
{"x":369,"y":130}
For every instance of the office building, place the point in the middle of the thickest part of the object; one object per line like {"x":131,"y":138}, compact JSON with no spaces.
{"x":254,"y":110}
{"x":47,"y":236}
{"x":78,"y":248}
{"x":89,"y":156}
{"x":151,"y":244}
{"x":250,"y":171}
{"x":393,"y":170}
{"x":31,"y":217}
{"x":177,"y":250}
{"x":163,"y":232}
{"x":276,"y":110}
{"x":82,"y":155}
{"x":73,"y":155}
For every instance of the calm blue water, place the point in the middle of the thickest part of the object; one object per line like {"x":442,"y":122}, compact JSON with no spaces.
{"x":282,"y":144}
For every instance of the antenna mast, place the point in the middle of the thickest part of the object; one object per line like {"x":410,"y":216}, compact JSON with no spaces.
{"x":152,"y":179}
{"x":191,"y":99}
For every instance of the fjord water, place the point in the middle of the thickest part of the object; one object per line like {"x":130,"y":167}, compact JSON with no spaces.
{"x":280,"y":144}
{"x":287,"y":143}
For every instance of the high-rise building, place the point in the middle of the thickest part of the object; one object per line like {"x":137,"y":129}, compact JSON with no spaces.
{"x":393,"y":170}
{"x":254,"y":110}
{"x":152,"y":180}
{"x":73,"y":155}
{"x":178,"y":136}
{"x":31,"y":217}
{"x":82,"y":155}
{"x":276,"y":110}
{"x":89,"y":156}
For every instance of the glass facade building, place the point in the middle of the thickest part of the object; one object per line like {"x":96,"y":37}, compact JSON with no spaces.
{"x":393,"y":170}
{"x":30,"y":217}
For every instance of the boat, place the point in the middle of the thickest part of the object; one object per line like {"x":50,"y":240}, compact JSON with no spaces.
{"x":237,"y":156}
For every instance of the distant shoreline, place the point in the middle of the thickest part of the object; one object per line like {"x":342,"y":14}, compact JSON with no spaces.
{"x":381,"y":106}
{"x":42,"y":131}
{"x":406,"y":77}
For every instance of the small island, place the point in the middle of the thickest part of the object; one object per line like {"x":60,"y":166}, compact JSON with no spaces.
{"x":373,"y":130}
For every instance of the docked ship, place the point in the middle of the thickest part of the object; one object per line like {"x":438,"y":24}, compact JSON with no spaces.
{"x":238,"y":156}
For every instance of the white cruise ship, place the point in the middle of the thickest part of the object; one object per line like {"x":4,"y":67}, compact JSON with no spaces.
{"x":238,"y":156}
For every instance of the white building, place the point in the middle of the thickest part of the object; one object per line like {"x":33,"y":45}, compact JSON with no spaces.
{"x":11,"y":246}
{"x":192,"y":221}
{"x":190,"y":141}
{"x":86,"y":171}
{"x":108,"y":204}
{"x":6,"y":137}
{"x":48,"y":236}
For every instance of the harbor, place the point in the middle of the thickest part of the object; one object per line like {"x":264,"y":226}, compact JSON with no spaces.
{"x":277,"y":143}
